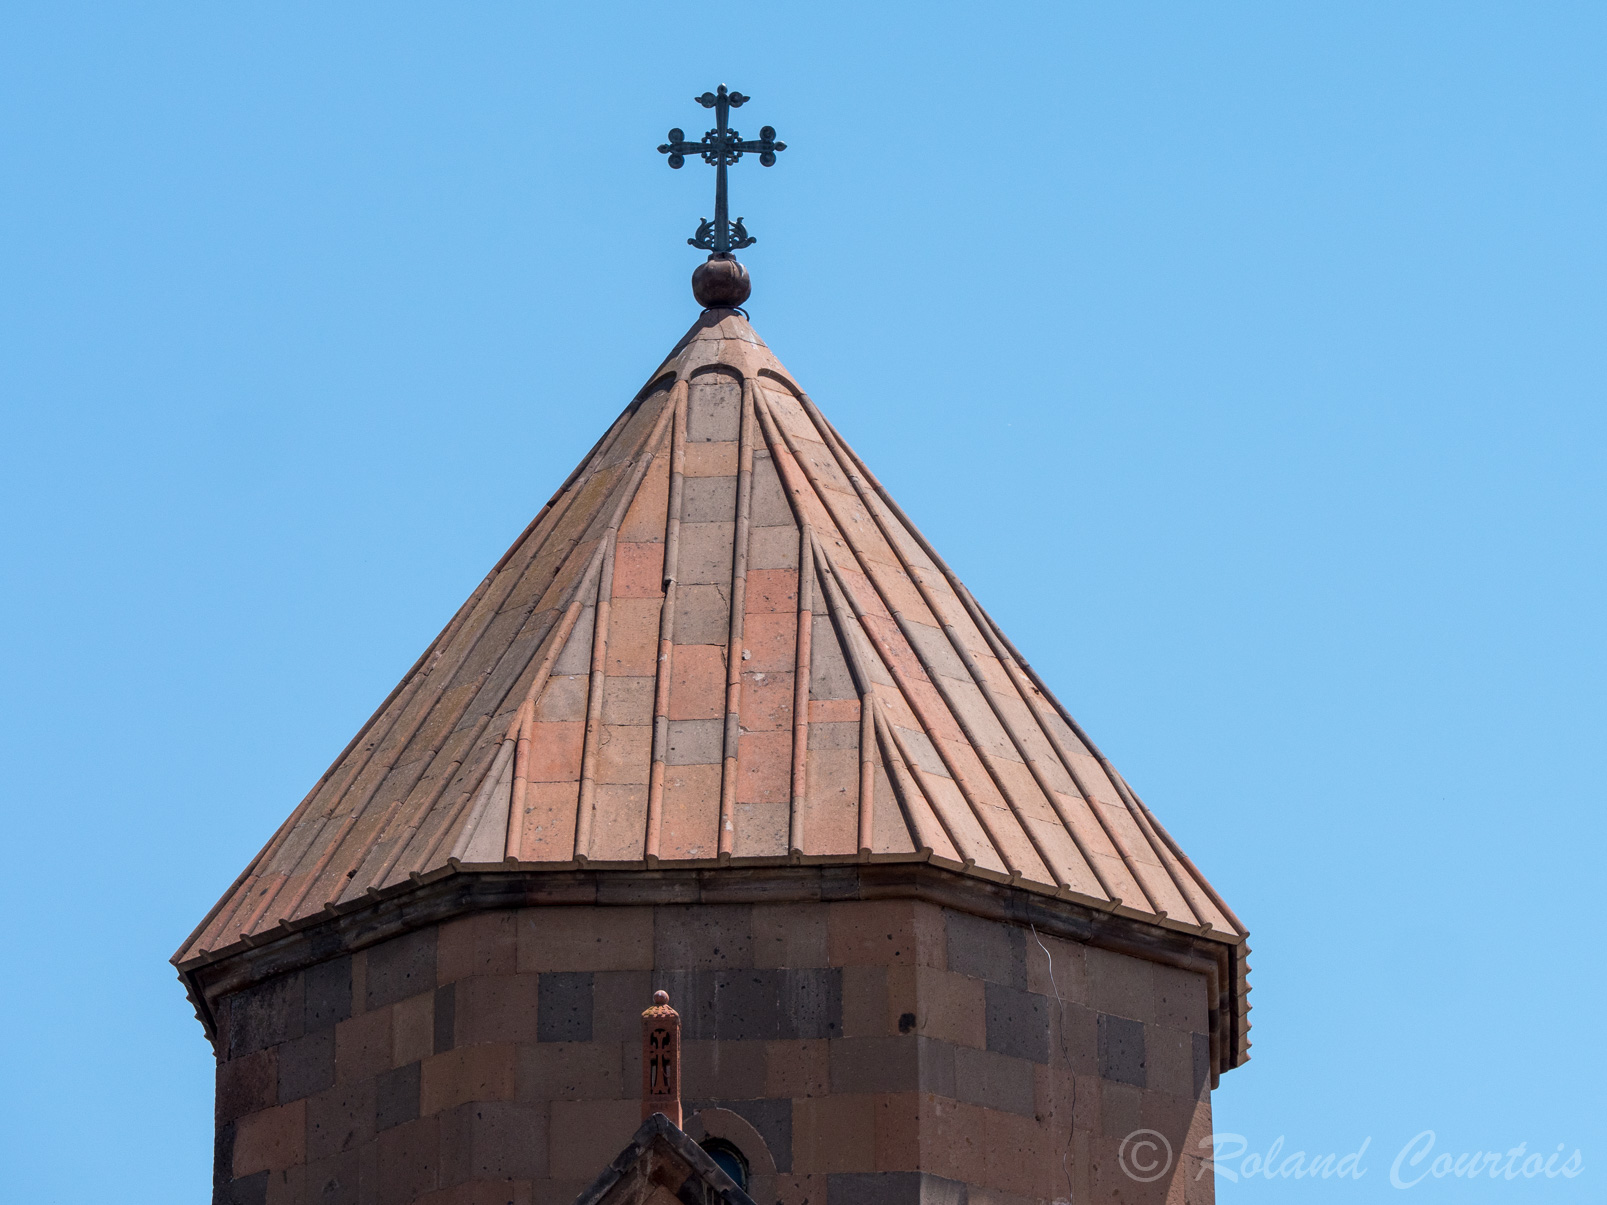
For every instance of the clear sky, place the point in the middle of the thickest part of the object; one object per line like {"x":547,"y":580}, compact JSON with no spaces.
{"x":1246,"y":360}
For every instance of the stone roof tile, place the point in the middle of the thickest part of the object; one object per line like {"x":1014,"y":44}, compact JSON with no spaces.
{"x":720,"y":642}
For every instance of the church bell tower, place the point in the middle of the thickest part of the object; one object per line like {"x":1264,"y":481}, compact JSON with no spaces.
{"x":720,"y":725}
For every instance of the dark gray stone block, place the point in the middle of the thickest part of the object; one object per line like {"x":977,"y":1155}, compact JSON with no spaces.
{"x":986,"y":949}
{"x":399,"y":968}
{"x":266,"y":1015}
{"x":995,"y":1081}
{"x":1121,"y":1050}
{"x":1202,"y":1064}
{"x":328,"y":993}
{"x":396,"y":1095}
{"x":893,"y":1188}
{"x":760,"y":1004}
{"x":333,"y":1181}
{"x":563,"y":1006}
{"x":248,"y":1190}
{"x":1018,"y":1023}
{"x":936,"y":1066}
{"x":446,"y":1011}
{"x":306,"y":1065}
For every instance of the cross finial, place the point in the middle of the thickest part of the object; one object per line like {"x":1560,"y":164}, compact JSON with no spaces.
{"x":661,"y":1059}
{"x":721,"y":147}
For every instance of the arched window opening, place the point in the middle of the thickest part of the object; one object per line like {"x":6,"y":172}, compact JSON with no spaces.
{"x":728,"y":1159}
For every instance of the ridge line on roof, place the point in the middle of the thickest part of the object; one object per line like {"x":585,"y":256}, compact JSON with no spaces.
{"x":586,"y":801}
{"x":923,"y":589}
{"x":1118,"y":845}
{"x":961,"y":782}
{"x":849,"y":637}
{"x":990,"y":628}
{"x":628,"y":479}
{"x":663,"y":664}
{"x":403,"y":696}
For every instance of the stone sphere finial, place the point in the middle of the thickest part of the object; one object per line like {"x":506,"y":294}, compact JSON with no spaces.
{"x":661,"y":998}
{"x":720,"y":283}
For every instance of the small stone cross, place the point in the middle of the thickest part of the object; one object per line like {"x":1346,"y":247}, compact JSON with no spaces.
{"x":661,"y":1059}
{"x":722,"y":146}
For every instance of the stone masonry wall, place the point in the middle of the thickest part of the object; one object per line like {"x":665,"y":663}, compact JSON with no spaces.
{"x":858,"y":1052}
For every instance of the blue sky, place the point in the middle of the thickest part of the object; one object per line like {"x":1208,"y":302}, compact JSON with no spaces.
{"x":1246,"y":360}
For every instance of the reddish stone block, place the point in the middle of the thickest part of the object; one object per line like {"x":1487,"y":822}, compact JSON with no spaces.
{"x":555,"y":751}
{"x":586,"y":1134}
{"x":1015,"y":1156}
{"x":633,"y":637}
{"x":271,"y":1139}
{"x":363,"y":1046}
{"x":549,"y":824}
{"x":619,"y":830}
{"x":1180,"y":999}
{"x":836,"y":1133}
{"x":951,"y":1007}
{"x":769,"y":640}
{"x":1169,"y":1062}
{"x":697,"y":682}
{"x":573,"y":1071}
{"x":482,"y":943}
{"x":472,"y":1073}
{"x":341,"y":1119}
{"x":496,"y":1008}
{"x":413,"y":1029}
{"x":767,"y":700}
{"x":797,"y":1068}
{"x":772,"y":591}
{"x":586,"y":939}
{"x":865,"y":1002}
{"x":407,"y":1162}
{"x":898,"y":1132}
{"x":764,"y":767}
{"x":1120,"y":985}
{"x":500,"y":1140}
{"x":639,"y":570}
{"x":247,"y":1084}
{"x":951,"y":1140}
{"x":885,"y":932}
{"x":789,"y":935}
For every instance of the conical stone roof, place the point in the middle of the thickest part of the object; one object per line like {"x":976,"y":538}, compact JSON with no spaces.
{"x":720,"y":643}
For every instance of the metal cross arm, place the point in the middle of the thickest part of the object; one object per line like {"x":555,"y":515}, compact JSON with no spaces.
{"x":721,"y":147}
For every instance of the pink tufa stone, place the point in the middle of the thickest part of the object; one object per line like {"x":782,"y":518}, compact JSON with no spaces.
{"x":661,"y":1059}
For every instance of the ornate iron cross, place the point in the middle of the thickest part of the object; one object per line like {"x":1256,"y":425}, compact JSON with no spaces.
{"x":722,"y":146}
